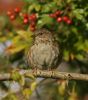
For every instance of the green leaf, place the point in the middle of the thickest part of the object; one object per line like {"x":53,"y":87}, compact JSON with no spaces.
{"x":22,"y":80}
{"x":45,"y":20}
{"x":30,"y":76}
{"x":37,"y":7}
{"x":3,"y":22}
{"x":10,"y":96}
{"x":3,"y":38}
{"x":33,"y":86}
{"x":79,"y":13}
{"x":87,"y":25}
{"x":74,"y":30}
{"x":45,"y":9}
{"x":49,"y":7}
{"x":80,"y":46}
{"x":79,"y":56}
{"x":27,"y":92}
{"x":30,"y":1}
{"x":66,"y":55}
{"x":86,"y":45}
{"x":68,"y":1}
{"x":20,"y":42}
{"x":16,"y":76}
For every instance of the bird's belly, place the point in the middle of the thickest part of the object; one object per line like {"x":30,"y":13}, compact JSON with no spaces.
{"x":44,"y":55}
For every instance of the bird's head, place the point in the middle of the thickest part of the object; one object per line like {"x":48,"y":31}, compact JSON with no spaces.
{"x":42,"y":33}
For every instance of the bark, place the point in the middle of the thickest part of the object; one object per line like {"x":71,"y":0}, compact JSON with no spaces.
{"x":46,"y":74}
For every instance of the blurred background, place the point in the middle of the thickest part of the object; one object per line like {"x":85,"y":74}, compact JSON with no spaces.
{"x":68,"y":19}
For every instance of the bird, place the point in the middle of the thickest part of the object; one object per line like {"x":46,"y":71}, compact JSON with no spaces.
{"x":45,"y":53}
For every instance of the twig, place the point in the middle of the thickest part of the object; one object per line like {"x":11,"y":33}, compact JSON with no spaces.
{"x":46,"y":74}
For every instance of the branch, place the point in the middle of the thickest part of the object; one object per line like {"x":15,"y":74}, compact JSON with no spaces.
{"x":46,"y":74}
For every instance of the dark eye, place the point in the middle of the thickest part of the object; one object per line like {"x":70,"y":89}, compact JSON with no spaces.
{"x":40,"y":33}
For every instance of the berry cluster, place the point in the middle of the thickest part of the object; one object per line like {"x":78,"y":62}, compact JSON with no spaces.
{"x":13,"y":14}
{"x":32,"y":18}
{"x":59,"y":18}
{"x":27,"y":19}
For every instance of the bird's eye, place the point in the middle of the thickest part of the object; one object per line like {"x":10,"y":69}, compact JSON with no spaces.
{"x":40,"y":33}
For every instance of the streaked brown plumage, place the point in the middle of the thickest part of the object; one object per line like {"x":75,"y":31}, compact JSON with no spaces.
{"x":45,"y":52}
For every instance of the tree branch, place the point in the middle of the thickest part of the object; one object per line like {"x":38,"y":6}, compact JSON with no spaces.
{"x":46,"y":74}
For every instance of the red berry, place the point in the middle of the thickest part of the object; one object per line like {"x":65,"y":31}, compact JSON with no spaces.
{"x":69,"y":21}
{"x":12,"y":17}
{"x":9,"y":13}
{"x":26,"y":21}
{"x":32,"y":28}
{"x":17,"y":10}
{"x":58,"y":12}
{"x":59,"y":19}
{"x":32,"y":17}
{"x":25,"y":15}
{"x":65,"y":18}
{"x":53,"y":15}
{"x":32,"y":24}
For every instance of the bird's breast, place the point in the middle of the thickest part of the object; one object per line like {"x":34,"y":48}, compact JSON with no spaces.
{"x":44,"y":55}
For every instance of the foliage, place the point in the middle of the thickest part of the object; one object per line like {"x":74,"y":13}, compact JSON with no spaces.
{"x":67,"y":19}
